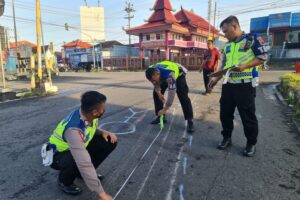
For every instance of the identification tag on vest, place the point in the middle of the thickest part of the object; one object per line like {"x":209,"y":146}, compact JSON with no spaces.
{"x":47,"y":154}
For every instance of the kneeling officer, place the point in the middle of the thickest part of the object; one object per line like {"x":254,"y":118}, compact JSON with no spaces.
{"x":79,"y":147}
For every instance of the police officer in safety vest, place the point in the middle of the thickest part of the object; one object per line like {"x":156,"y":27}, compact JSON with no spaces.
{"x":244,"y":51}
{"x":169,"y":75}
{"x":80,"y":147}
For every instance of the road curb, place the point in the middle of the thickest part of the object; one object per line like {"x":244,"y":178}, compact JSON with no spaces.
{"x":282,"y":100}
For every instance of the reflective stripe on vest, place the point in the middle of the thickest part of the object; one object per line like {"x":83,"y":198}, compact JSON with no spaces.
{"x":72,"y":121}
{"x":236,"y":54}
{"x":168,"y":65}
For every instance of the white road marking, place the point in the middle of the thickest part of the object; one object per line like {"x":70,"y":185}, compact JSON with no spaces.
{"x":156,"y":157}
{"x":184,"y":164}
{"x":190,"y":140}
{"x":181,"y":188}
{"x":137,"y":165}
{"x":132,"y":126}
{"x":172,"y":182}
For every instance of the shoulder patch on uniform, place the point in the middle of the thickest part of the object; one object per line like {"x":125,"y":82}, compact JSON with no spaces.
{"x":261,"y":40}
{"x":227,"y":50}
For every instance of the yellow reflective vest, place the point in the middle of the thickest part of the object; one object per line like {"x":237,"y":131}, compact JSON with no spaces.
{"x":57,"y":141}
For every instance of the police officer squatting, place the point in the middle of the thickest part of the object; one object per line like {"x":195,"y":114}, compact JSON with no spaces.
{"x":242,"y":53}
{"x":79,"y":147}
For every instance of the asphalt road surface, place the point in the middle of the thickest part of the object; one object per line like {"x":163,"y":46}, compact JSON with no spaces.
{"x":149,"y":164}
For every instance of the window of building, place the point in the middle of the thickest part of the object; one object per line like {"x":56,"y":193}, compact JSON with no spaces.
{"x":148,"y":37}
{"x":192,"y":61}
{"x":199,"y":61}
{"x":158,"y":36}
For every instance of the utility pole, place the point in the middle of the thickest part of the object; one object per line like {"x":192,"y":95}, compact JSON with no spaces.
{"x":38,"y":37}
{"x":2,"y":4}
{"x":15,"y":32}
{"x":209,"y":16}
{"x":215,"y":13}
{"x":98,"y":3}
{"x":129,"y":9}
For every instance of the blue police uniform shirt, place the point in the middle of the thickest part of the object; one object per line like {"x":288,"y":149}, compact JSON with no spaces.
{"x":166,"y":74}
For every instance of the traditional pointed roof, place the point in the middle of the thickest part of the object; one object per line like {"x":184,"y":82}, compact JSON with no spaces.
{"x":162,"y":12}
{"x":191,"y":19}
{"x":77,"y":44}
{"x":162,"y":4}
{"x":162,"y":19}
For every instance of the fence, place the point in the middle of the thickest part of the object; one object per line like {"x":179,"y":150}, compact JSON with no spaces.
{"x":125,"y":63}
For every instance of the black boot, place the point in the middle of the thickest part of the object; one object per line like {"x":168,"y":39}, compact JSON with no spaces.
{"x":69,"y":189}
{"x":190,"y":126}
{"x":226,"y":142}
{"x":157,"y":120}
{"x":249,"y":150}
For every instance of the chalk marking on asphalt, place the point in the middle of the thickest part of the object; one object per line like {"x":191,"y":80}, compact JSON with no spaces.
{"x":132,"y":126}
{"x":156,"y":157}
{"x":137,"y":165}
{"x":169,"y":194}
{"x":184,"y":164}
{"x":133,"y":113}
{"x":190,"y":140}
{"x":181,"y":188}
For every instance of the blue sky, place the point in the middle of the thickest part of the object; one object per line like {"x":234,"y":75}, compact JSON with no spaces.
{"x":57,"y":12}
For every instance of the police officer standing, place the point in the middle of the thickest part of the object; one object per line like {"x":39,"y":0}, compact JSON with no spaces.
{"x":169,"y":75}
{"x":244,"y":51}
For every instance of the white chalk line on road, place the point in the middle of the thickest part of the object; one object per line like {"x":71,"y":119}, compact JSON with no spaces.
{"x":184,"y":164}
{"x":181,"y":188}
{"x":156,"y":157}
{"x":175,"y":172}
{"x":138,"y":164}
{"x":132,"y":125}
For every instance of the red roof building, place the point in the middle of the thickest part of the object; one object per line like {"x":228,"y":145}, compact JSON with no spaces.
{"x":77,"y":44}
{"x":174,"y":35}
{"x":12,"y":45}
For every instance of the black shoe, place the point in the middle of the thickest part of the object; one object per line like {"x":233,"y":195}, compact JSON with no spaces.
{"x":70,"y":189}
{"x":100,"y":177}
{"x":157,"y":120}
{"x":249,"y":150}
{"x":190,"y":126}
{"x":226,"y":142}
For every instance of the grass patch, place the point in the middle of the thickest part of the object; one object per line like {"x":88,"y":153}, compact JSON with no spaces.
{"x":290,"y":89}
